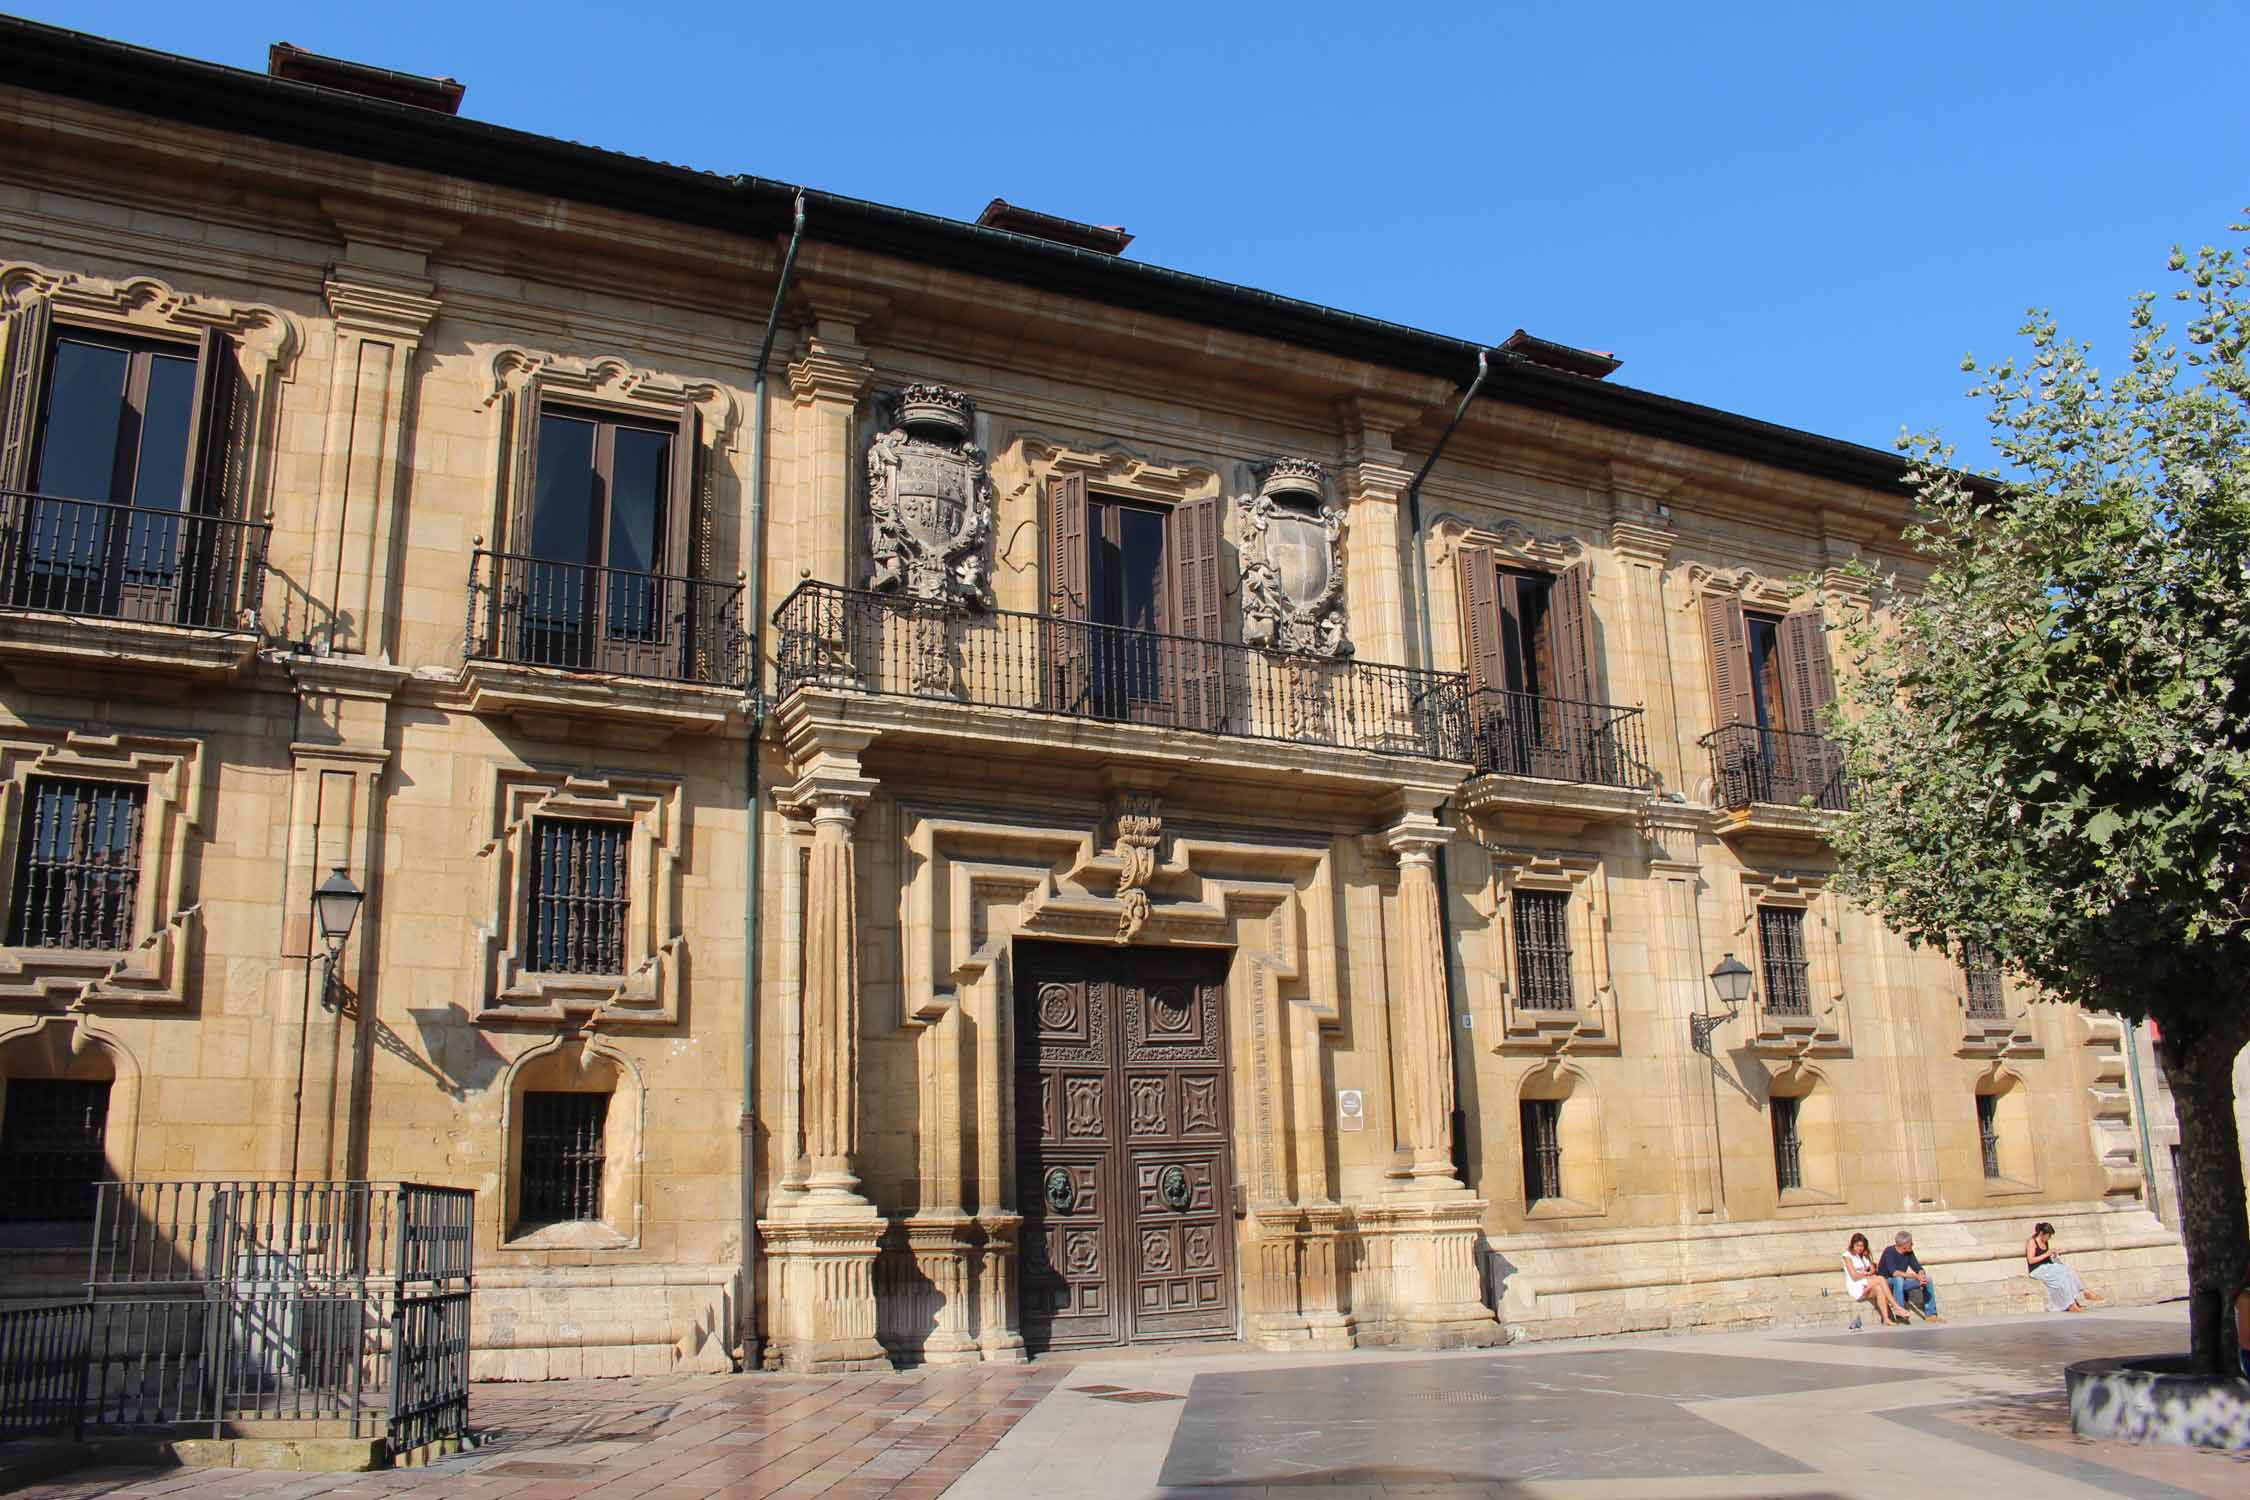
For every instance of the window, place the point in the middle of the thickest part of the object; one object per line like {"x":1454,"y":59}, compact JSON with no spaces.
{"x":1770,"y":681}
{"x":1988,"y":1133}
{"x":579,"y":900}
{"x":1529,"y":647}
{"x":1982,"y":968}
{"x":1788,"y":1145}
{"x":1781,"y":950}
{"x":1138,"y":581}
{"x":126,"y":439}
{"x":1542,"y":1149}
{"x":562,"y":1157}
{"x":594,"y":589}
{"x":77,"y":865}
{"x":1543,"y":950}
{"x":51,"y":1149}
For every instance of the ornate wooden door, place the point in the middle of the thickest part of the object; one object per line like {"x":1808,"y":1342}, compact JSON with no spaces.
{"x":1124,"y":1152}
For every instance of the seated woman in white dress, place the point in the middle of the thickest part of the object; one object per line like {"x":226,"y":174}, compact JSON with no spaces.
{"x":1863,"y":1285}
{"x":2065,"y":1292}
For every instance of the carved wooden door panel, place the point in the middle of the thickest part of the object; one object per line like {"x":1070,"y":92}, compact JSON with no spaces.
{"x":1124,"y":1168}
{"x":1180,"y":1239}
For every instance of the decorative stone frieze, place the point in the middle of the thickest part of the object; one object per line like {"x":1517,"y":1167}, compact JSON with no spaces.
{"x":1293,"y":564}
{"x":929,"y":501}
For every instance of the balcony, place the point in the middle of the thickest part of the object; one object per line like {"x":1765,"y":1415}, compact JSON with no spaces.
{"x":630,"y":657}
{"x":1775,"y":782}
{"x":999,"y":665}
{"x":157,"y":599}
{"x":1556,"y":759}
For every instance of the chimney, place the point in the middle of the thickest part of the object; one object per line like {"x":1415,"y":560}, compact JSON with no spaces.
{"x":1595,"y":364}
{"x":1103,"y":239}
{"x":364,"y":79}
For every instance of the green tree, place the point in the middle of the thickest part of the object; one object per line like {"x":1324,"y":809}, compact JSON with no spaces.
{"x":2049,"y":736}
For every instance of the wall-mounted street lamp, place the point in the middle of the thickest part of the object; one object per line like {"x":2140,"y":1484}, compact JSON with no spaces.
{"x":335,"y":906}
{"x":1730,"y":981}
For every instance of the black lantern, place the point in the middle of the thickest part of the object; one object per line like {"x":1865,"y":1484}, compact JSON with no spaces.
{"x":1731,"y":982}
{"x":335,"y":908}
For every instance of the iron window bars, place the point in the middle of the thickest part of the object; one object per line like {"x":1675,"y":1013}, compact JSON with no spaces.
{"x":1788,"y":1145}
{"x":1988,"y":1132}
{"x":562,"y":1157}
{"x":1981,"y":966}
{"x":51,"y":1149}
{"x":77,"y":865}
{"x":1781,"y":952}
{"x":1542,"y":1150}
{"x":579,"y":895}
{"x":1542,"y":921}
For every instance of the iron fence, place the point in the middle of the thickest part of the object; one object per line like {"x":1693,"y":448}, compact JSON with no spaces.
{"x":43,"y":1369}
{"x":1780,"y":766}
{"x":1558,"y":739}
{"x":849,"y":639}
{"x":580,"y":617}
{"x":110,"y":561}
{"x":232,"y":1302}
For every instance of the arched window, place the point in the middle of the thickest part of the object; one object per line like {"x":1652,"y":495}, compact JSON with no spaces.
{"x":2004,"y":1144}
{"x":1564,"y":1163}
{"x":58,"y":1092}
{"x":574,"y":1149}
{"x":1801,"y":1115}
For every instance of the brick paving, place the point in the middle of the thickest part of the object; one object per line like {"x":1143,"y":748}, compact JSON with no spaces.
{"x":907,"y":1435}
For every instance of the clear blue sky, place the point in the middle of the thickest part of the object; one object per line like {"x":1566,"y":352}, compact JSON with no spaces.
{"x":1806,"y":213}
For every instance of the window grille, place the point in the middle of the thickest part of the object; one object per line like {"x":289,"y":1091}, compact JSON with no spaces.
{"x":1982,"y":966}
{"x":1543,"y":950}
{"x":51,"y":1149}
{"x":77,"y":865}
{"x":1788,"y":1146}
{"x":562,"y":1157}
{"x":578,"y":895}
{"x":1988,"y":1132}
{"x":1781,"y":948}
{"x":1542,"y":1149}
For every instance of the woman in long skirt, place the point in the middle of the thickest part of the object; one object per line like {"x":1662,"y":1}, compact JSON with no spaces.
{"x":2065,"y":1292}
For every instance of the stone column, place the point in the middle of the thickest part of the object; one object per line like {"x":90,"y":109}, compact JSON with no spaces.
{"x":1428,"y":1223}
{"x":1642,"y":538}
{"x":826,"y":380}
{"x":1373,"y":480}
{"x":822,"y":1242}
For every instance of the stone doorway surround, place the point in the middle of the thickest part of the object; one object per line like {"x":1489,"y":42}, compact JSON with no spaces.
{"x":1317,"y":918}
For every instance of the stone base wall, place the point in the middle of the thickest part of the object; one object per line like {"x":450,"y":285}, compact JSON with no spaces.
{"x":1769,"y":1274}
{"x":556,"y":1323}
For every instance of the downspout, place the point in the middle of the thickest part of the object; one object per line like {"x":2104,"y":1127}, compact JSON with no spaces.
{"x":2140,"y":1117}
{"x":746,"y":1315}
{"x":1421,"y":593}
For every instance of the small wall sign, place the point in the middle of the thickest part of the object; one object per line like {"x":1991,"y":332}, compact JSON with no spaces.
{"x":1351,"y":1110}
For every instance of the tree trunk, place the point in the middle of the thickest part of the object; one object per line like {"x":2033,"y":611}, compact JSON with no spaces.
{"x":2200,"y":1070}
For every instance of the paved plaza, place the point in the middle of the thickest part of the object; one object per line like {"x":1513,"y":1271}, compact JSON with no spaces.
{"x":1972,"y":1409}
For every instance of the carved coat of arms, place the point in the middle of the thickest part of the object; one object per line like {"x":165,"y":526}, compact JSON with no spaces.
{"x":929,"y":501}
{"x":1293,"y":564}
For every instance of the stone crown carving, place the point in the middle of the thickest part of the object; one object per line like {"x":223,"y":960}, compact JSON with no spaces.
{"x":1293,"y":563}
{"x":929,"y":501}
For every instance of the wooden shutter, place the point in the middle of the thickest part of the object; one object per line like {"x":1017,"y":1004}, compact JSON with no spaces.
{"x":684,"y":521}
{"x":1069,"y":684}
{"x":1477,"y":571}
{"x":1195,"y":545}
{"x":25,"y":357}
{"x":522,"y":468}
{"x":1570,"y":616}
{"x":218,"y":384}
{"x":1726,"y":651}
{"x":1808,"y":682}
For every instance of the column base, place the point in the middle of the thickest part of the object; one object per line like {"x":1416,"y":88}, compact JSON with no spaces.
{"x":820,"y":1283}
{"x":999,"y":1340}
{"x":1430,"y":1247}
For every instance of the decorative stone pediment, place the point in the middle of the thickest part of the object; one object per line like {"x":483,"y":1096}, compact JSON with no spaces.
{"x":929,"y":501}
{"x":1754,"y":588}
{"x":1291,"y":536}
{"x":614,"y":382}
{"x":266,"y":338}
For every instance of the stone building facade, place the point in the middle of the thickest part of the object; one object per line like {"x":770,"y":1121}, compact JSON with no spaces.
{"x":1161,"y":873}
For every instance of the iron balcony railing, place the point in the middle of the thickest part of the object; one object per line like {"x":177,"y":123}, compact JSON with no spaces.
{"x":1558,"y":739}
{"x":833,"y":637}
{"x":43,"y":1357}
{"x":578,"y":617}
{"x":101,"y":560}
{"x":1780,"y":766}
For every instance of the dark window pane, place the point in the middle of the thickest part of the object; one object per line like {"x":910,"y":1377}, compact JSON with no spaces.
{"x":1541,"y":1121}
{"x":77,"y":865}
{"x":1788,"y":1146}
{"x":85,"y":406}
{"x":562,"y":1157}
{"x":1525,"y":638}
{"x":578,"y":899}
{"x":1765,"y":669}
{"x":51,"y":1153}
{"x":1781,"y":950}
{"x":1542,"y":920}
{"x":640,"y":487}
{"x":167,"y":417}
{"x":562,"y":503}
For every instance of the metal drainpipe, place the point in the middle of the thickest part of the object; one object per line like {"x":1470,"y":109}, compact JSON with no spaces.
{"x":1421,"y":591}
{"x":746,"y":1319}
{"x":2140,"y":1116}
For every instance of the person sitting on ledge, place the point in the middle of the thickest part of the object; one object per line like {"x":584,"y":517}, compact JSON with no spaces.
{"x":1902,"y":1268}
{"x":2242,"y":1323}
{"x":1864,"y":1285}
{"x":2065,"y":1291}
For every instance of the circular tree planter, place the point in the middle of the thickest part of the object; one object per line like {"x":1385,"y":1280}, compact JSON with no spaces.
{"x":2155,"y":1398}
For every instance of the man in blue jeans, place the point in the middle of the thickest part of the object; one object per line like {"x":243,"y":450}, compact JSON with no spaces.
{"x":1908,"y":1280}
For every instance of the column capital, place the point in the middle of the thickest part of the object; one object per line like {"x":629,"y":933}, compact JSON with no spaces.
{"x":1416,"y":838}
{"x":1645,"y":537}
{"x":831,"y":372}
{"x":395,"y":309}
